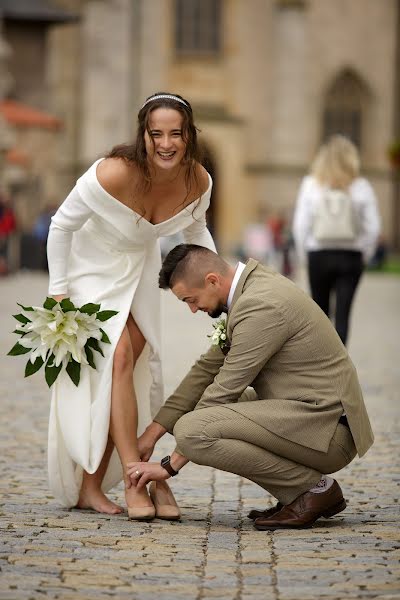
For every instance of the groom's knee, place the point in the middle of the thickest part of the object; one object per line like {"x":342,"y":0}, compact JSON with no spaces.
{"x":188,"y":434}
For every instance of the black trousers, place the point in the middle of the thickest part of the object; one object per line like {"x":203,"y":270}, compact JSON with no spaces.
{"x":335,"y":272}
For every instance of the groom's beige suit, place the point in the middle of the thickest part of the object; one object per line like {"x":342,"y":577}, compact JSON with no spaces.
{"x":269,"y":408}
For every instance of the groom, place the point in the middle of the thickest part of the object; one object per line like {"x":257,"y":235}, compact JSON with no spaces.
{"x":280,"y":404}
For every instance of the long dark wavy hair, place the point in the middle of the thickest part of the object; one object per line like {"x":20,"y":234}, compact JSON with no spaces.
{"x":136,"y":151}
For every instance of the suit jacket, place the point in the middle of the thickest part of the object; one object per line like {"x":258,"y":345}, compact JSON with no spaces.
{"x":285,"y":348}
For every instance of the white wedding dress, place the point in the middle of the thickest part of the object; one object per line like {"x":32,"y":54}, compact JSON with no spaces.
{"x":101,"y":251}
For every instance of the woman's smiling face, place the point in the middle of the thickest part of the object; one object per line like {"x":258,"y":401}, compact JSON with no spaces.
{"x":165,"y":146}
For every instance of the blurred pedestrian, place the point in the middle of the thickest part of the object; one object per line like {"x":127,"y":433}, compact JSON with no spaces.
{"x":40,"y":232}
{"x":258,"y":242}
{"x":8,"y":226}
{"x":336,"y":227}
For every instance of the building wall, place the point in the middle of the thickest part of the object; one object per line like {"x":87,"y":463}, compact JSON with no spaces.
{"x":259,"y":102}
{"x":270,"y":84}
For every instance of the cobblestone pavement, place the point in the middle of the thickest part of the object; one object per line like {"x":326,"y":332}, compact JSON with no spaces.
{"x":50,"y":552}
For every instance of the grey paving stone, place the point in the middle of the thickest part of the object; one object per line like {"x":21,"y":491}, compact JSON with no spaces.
{"x":49,"y":552}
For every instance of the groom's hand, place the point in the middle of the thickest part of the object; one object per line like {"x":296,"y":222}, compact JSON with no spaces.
{"x":141,"y":473}
{"x":146,"y":447}
{"x":148,"y":439}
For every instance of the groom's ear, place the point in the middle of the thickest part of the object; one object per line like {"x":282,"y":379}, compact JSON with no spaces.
{"x":212,"y":278}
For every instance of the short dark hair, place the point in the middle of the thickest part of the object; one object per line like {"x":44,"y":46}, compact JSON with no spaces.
{"x":189,"y":261}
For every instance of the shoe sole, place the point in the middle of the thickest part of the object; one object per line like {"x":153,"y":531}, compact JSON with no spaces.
{"x":334,"y":510}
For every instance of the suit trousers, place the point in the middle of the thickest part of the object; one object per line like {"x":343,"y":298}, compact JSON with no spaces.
{"x":222,"y":438}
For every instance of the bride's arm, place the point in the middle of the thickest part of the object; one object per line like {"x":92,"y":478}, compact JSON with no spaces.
{"x":70,"y":217}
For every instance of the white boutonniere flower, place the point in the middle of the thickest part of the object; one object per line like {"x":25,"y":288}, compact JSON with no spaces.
{"x":60,"y":335}
{"x":219,"y":338}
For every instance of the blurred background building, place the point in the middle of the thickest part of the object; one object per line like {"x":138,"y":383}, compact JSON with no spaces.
{"x":268,"y":81}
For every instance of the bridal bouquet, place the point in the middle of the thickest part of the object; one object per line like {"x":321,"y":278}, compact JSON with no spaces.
{"x":60,"y":335}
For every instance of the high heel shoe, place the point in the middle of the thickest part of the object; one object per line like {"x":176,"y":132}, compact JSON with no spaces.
{"x":164,"y":502}
{"x":141,"y":513}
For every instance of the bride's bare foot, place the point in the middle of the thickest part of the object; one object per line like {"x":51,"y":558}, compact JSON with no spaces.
{"x":95,"y":499}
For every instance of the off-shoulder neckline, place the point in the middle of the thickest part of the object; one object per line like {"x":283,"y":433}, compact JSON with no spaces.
{"x":124,"y":206}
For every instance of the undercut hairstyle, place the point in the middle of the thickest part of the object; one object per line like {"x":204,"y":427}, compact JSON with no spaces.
{"x":190,"y":263}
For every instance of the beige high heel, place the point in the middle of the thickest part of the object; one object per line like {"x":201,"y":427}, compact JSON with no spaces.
{"x":141,"y":513}
{"x":164,"y":502}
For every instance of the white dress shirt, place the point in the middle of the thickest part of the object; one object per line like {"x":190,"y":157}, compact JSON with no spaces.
{"x":239,"y":270}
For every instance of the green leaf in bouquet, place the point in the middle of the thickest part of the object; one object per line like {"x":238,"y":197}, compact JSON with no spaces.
{"x":74,"y":371}
{"x":67,"y":305}
{"x":32,"y":368}
{"x":89,"y":356}
{"x":49,"y":303}
{"x":89,"y":308}
{"x":93,"y":343}
{"x":21,"y":333}
{"x":104,"y":315}
{"x":51,"y":371}
{"x":22,"y":318}
{"x":104,"y":337}
{"x":18,"y":349}
{"x":27,"y":308}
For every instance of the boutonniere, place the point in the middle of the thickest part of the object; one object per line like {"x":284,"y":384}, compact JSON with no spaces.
{"x":218,"y":338}
{"x":60,"y":336}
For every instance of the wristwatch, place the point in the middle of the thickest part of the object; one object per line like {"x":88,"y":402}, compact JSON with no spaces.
{"x":166,"y":464}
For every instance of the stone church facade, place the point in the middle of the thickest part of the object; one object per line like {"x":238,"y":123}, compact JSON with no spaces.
{"x":269,"y":80}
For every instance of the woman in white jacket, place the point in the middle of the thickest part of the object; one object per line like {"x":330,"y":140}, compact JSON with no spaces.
{"x":336,"y":227}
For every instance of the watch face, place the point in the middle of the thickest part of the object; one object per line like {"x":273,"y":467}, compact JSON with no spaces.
{"x":165,"y":460}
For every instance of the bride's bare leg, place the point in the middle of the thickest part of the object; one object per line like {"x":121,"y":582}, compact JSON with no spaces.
{"x":124,"y":413}
{"x":91,"y":494}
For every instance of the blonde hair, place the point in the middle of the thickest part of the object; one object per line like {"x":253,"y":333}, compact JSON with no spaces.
{"x":337,"y":163}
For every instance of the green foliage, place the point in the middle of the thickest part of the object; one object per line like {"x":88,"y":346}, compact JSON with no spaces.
{"x":22,"y":318}
{"x":74,"y":371}
{"x":18,"y":349}
{"x":49,"y":303}
{"x":51,"y":371}
{"x":32,"y":368}
{"x":104,"y":315}
{"x":89,"y":308}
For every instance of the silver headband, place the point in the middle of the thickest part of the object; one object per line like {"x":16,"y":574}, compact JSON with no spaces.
{"x":168,"y":96}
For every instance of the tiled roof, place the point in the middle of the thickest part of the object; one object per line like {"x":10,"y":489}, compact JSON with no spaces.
{"x":35,"y":10}
{"x":23,"y":115}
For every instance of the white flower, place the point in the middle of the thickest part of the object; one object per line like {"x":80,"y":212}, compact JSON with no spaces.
{"x":219,"y":338}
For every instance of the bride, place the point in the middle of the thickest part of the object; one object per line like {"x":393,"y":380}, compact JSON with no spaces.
{"x":103,"y":247}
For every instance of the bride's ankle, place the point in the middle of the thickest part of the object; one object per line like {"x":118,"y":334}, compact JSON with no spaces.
{"x":90,"y":490}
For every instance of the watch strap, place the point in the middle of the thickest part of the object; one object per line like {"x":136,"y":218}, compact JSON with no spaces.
{"x":166,"y":464}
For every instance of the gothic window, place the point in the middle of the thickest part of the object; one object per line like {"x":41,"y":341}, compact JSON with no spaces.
{"x":344,"y":107}
{"x":197,"y":26}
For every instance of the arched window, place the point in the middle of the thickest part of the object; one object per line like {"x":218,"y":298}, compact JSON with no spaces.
{"x":345,"y":105}
{"x":197,"y":26}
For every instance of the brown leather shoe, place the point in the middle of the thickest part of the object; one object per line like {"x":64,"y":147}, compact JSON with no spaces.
{"x":305,"y":510}
{"x":268,"y":512}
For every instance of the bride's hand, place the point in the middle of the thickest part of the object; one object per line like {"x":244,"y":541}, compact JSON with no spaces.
{"x":140,"y":473}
